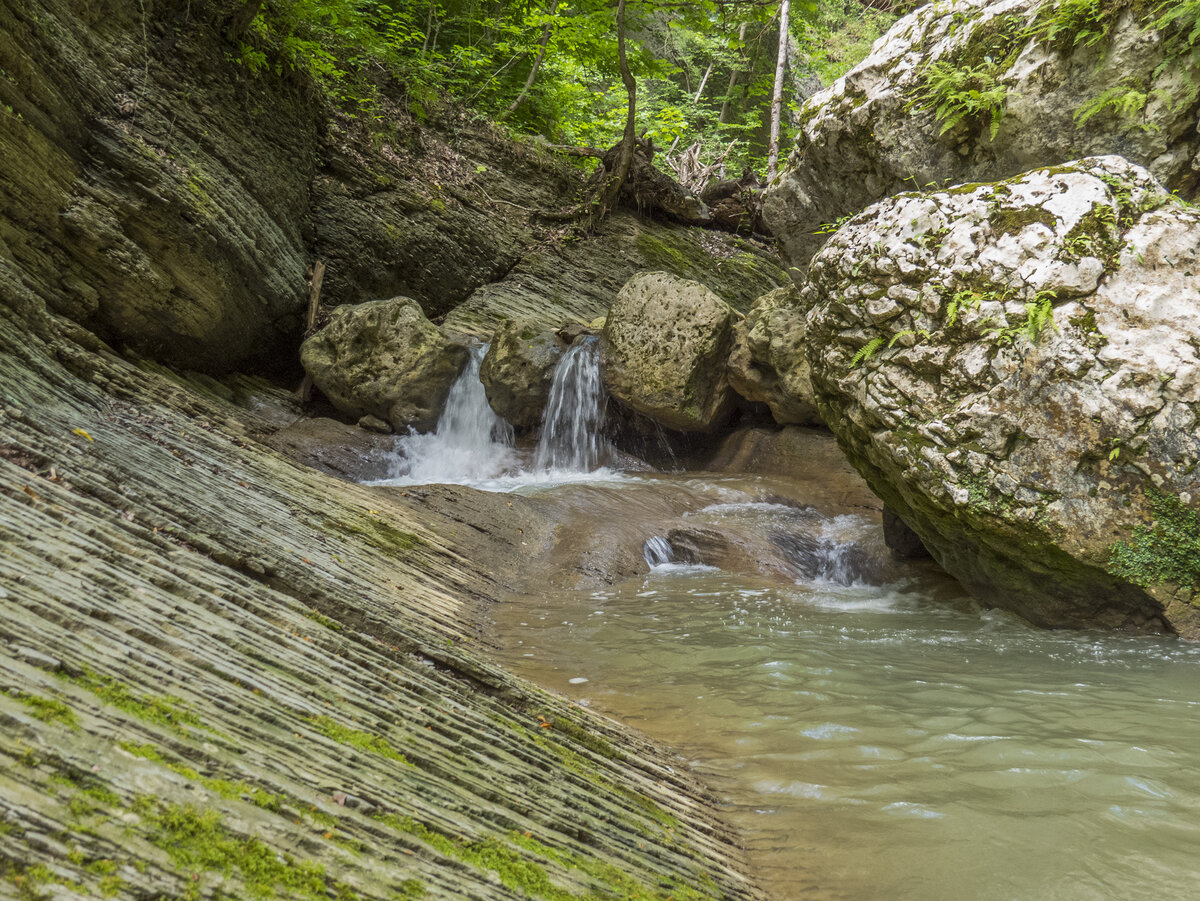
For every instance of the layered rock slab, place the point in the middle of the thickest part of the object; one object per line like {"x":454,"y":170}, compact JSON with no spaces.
{"x":226,"y":674}
{"x":875,"y":131}
{"x":664,"y":351}
{"x":1014,"y":370}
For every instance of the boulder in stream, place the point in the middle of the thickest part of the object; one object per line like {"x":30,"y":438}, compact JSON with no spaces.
{"x":767,"y":364}
{"x":1045,"y":88}
{"x":665,"y":344}
{"x":1014,"y":369}
{"x":384,"y":358}
{"x":518,"y":368}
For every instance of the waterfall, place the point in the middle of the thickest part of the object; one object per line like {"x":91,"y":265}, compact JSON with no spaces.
{"x":471,"y":442}
{"x":571,"y":438}
{"x":657,"y":551}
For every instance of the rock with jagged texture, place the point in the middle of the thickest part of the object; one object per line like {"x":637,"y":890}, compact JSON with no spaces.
{"x":767,"y":364}
{"x":874,"y":132}
{"x":1014,"y":369}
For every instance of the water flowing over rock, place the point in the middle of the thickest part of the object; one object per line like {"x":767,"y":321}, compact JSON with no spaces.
{"x":767,"y":364}
{"x":572,"y":437}
{"x":666,"y":342}
{"x":1013,"y":368}
{"x":384,"y":358}
{"x":518,"y":370}
{"x":874,"y":133}
{"x":471,"y":441}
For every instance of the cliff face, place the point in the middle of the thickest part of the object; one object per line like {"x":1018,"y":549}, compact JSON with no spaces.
{"x":164,"y":195}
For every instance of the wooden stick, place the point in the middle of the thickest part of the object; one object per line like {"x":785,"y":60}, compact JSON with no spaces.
{"x":314,"y":304}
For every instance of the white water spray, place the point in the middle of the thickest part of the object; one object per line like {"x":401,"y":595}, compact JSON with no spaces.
{"x":573,"y":421}
{"x":471,"y":442}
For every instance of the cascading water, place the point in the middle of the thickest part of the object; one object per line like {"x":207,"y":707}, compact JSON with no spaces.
{"x":572,"y":425}
{"x":657,"y":551}
{"x":471,"y":442}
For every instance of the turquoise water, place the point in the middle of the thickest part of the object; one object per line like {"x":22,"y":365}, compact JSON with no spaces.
{"x":893,"y":741}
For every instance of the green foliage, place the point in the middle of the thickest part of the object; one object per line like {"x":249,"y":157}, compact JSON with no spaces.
{"x":163,"y":710}
{"x":49,"y":710}
{"x":1165,"y":551}
{"x":1125,"y":102}
{"x":1068,"y":24}
{"x":963,"y":94}
{"x":867,"y":351}
{"x":961,"y":302}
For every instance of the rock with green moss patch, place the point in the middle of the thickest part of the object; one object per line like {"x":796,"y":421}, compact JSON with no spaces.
{"x":517,"y":370}
{"x":384,"y":358}
{"x":1025,"y":396}
{"x":767,"y":364}
{"x":665,"y":344}
{"x":975,"y":91}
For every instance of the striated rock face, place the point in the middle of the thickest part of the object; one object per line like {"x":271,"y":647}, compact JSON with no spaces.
{"x":517,"y":371}
{"x":767,"y":364}
{"x":1014,"y":370}
{"x":665,"y":344}
{"x":223,"y":674}
{"x":577,"y":281}
{"x":874,"y":132}
{"x":384,"y":358}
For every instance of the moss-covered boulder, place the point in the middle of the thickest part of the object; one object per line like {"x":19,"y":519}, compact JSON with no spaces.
{"x":517,"y":371}
{"x":384,"y":358}
{"x":1013,"y":368}
{"x":975,"y":91}
{"x":665,"y":344}
{"x":767,"y":363}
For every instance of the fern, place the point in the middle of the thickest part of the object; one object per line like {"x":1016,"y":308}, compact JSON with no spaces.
{"x":962,"y":301}
{"x":1183,"y":15}
{"x":1039,"y":314}
{"x":1126,"y":103}
{"x":867,"y":351}
{"x":967,"y":93}
{"x":924,"y":333}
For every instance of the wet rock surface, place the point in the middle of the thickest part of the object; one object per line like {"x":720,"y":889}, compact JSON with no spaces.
{"x":384,"y":359}
{"x":517,"y":371}
{"x":874,"y":132}
{"x":665,"y":344}
{"x":1012,"y":369}
{"x":224,"y":673}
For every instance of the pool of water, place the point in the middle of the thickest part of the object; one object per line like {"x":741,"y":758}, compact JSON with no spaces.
{"x":891,"y":740}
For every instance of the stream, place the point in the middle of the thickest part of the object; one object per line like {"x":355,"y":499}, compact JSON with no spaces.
{"x":870,"y":730}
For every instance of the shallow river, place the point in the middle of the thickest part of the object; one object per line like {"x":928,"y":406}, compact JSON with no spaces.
{"x":892,"y":740}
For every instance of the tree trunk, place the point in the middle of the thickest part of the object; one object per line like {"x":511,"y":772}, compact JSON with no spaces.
{"x":537,"y":64}
{"x":240,"y":20}
{"x":727,"y":105}
{"x":777,"y":95}
{"x":614,"y":179}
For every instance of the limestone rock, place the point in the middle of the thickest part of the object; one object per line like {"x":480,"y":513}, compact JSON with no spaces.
{"x":664,"y":349}
{"x":517,"y":370}
{"x":767,"y":364}
{"x":384,"y":358}
{"x":873,"y":132}
{"x":1014,"y":369}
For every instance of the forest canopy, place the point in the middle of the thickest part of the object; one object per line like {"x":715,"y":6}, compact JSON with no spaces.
{"x":704,"y":68}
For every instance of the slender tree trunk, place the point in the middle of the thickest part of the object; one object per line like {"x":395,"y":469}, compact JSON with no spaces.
{"x":613,"y":181}
{"x":727,"y":105}
{"x":537,"y":64}
{"x":240,"y":20}
{"x":696,"y":99}
{"x":777,"y":95}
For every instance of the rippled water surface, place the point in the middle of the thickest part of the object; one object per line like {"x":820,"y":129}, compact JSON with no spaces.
{"x":895,"y":742}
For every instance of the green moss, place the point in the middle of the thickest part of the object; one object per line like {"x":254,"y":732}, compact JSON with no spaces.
{"x":376,"y":532}
{"x":364,"y":741}
{"x":661,"y":254}
{"x":226,"y":788}
{"x":322,"y":619}
{"x":164,"y":710}
{"x":410,"y":890}
{"x":197,"y":840}
{"x":592,"y":742}
{"x":49,"y":710}
{"x":1013,"y":220}
{"x":1167,"y":551}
